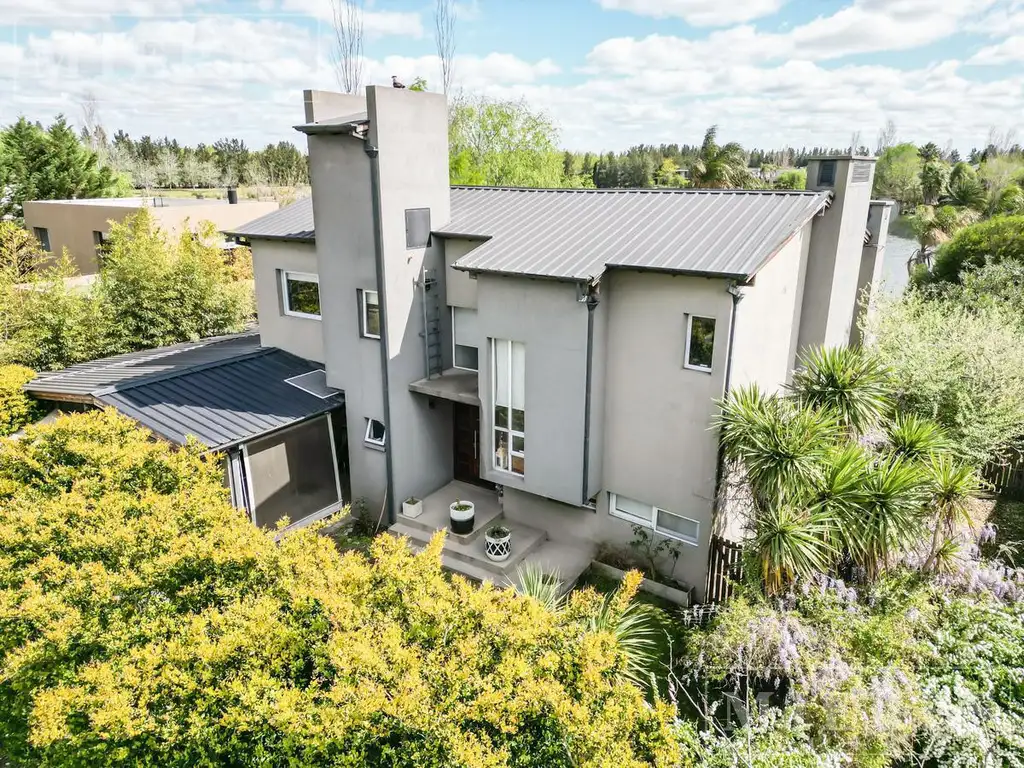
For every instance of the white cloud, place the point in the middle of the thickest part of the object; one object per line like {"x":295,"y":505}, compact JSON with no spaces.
{"x":700,"y":13}
{"x":1010,"y":50}
{"x":375,"y":23}
{"x":77,"y":14}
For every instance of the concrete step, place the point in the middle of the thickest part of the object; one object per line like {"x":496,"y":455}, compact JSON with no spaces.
{"x":484,"y":518}
{"x":524,"y":541}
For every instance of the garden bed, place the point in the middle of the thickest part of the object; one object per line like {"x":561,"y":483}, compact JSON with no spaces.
{"x":675,"y":597}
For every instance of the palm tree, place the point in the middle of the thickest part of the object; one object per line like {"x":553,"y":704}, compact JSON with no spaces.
{"x":951,"y":486}
{"x":935,"y":226}
{"x":849,"y":381}
{"x":912,"y":437}
{"x":790,"y":544}
{"x":965,"y":191}
{"x":930,"y":152}
{"x":719,"y":167}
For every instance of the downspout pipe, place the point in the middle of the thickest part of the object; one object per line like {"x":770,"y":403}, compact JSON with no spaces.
{"x":593,"y":299}
{"x":382,"y":298}
{"x":737,"y":296}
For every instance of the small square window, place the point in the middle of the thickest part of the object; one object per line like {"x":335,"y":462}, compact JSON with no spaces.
{"x":630,"y":509}
{"x":97,"y":238}
{"x":376,"y":433}
{"x":700,"y":343}
{"x":43,"y":236}
{"x":300,"y":294}
{"x":369,"y":314}
{"x":826,"y":173}
{"x":417,"y":227}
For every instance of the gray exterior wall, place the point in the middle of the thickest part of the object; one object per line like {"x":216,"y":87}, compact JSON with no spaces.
{"x":659,"y":447}
{"x":301,"y":336}
{"x":871,"y":261}
{"x":768,"y":319}
{"x":547,"y":318}
{"x":833,"y":267}
{"x":461,"y":287}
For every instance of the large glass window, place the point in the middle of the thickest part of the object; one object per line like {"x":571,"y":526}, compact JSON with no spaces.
{"x":509,"y":384}
{"x":700,"y":342}
{"x":664,"y":522}
{"x":43,"y":236}
{"x":301,"y":294}
{"x":293,"y":473}
{"x":463,"y":355}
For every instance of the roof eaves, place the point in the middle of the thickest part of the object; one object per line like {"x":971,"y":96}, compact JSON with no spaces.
{"x":825,"y":199}
{"x":288,"y":238}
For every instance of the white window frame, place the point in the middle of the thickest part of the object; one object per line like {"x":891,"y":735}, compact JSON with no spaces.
{"x":370,"y":440}
{"x":313,"y":516}
{"x":454,"y":345}
{"x":652,"y":521}
{"x":362,"y":312}
{"x":507,"y":428}
{"x":299,"y":277}
{"x":689,"y":338}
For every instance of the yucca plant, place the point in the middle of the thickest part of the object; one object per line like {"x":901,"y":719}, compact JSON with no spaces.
{"x":848,"y":381}
{"x":790,"y":544}
{"x":891,"y":517}
{"x":951,"y":486}
{"x":545,"y":588}
{"x":780,"y":444}
{"x":638,"y":631}
{"x":840,"y":494}
{"x":913,"y":437}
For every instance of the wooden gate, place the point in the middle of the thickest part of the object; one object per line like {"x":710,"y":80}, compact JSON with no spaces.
{"x":725,"y":568}
{"x":1007,"y":478}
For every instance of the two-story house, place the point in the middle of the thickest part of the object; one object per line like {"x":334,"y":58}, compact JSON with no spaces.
{"x":553,"y":356}
{"x":564,"y":348}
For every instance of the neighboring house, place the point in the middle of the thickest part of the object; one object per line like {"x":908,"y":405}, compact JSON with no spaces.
{"x":82,"y":226}
{"x":554,"y":356}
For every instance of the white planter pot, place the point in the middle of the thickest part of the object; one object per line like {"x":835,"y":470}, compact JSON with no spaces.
{"x":498,"y":548}
{"x":462,"y":519}
{"x":412,"y":509}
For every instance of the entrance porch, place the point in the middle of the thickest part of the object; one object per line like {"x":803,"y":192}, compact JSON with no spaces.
{"x":466,"y":555}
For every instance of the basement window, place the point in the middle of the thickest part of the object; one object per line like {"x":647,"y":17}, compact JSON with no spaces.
{"x":666,"y":523}
{"x":700,"y":343}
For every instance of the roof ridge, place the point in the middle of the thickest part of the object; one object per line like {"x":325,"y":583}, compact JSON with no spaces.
{"x":168,"y":375}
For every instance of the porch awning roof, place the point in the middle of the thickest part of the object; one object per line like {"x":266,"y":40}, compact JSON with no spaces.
{"x":457,"y":385}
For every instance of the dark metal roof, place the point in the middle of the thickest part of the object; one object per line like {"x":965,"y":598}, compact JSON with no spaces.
{"x":293,"y":222}
{"x":79,"y":382}
{"x":577,"y":234}
{"x":222,"y":391}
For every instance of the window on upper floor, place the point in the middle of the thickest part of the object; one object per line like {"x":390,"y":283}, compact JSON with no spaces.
{"x":700,"y":342}
{"x":826,"y":173}
{"x":376,"y":433}
{"x":300,"y":294}
{"x":464,"y":356}
{"x":417,"y":227}
{"x":508,"y":381}
{"x":661,"y":520}
{"x":43,"y":236}
{"x":369,"y":314}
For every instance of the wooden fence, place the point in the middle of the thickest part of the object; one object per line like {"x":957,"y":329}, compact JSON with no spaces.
{"x":1007,"y":479}
{"x":725,"y":567}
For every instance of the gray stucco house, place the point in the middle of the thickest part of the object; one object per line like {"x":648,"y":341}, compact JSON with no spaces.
{"x":553,"y":356}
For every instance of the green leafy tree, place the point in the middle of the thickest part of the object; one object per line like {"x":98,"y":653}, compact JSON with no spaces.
{"x":792,"y":179}
{"x":144,"y":621}
{"x":986,"y":242}
{"x":898,"y":174}
{"x":20,"y":253}
{"x":50,"y":164}
{"x":16,"y":408}
{"x":934,"y":181}
{"x":157,"y":291}
{"x":965,"y":190}
{"x":668,"y":174}
{"x":719,"y":166}
{"x":503,"y":143}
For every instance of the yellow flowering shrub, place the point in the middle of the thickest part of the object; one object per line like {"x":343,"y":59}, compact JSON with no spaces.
{"x":145,"y":622}
{"x":16,"y":408}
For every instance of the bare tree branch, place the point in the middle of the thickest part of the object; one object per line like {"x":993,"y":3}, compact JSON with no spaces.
{"x":92,"y":127}
{"x":348,"y":43}
{"x":887,"y":136}
{"x":444,"y":37}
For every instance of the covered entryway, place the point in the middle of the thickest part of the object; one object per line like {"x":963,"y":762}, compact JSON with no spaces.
{"x":466,"y":444}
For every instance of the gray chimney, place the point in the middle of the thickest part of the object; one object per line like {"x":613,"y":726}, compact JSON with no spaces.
{"x":837,"y":241}
{"x":871,"y":261}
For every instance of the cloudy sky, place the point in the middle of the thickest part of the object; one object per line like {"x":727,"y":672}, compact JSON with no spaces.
{"x":610,"y":72}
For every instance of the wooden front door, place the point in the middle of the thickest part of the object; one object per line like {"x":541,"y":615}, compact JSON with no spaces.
{"x":466,"y":433}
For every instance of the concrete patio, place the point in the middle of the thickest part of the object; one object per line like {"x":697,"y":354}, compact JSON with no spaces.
{"x":465,"y":554}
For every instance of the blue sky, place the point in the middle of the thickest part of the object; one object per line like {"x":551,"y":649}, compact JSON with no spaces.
{"x":611,"y":73}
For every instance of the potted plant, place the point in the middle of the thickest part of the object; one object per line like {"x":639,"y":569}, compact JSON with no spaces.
{"x":412,"y":507}
{"x":462,"y":514}
{"x":498,"y":543}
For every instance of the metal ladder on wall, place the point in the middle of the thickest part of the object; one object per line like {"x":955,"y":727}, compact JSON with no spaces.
{"x":430,"y":301}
